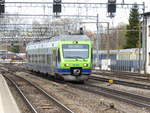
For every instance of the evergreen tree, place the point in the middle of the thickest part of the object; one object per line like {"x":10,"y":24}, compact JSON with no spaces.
{"x":132,"y":33}
{"x":15,"y":49}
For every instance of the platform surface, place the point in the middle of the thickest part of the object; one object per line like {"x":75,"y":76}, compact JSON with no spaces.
{"x":7,"y":102}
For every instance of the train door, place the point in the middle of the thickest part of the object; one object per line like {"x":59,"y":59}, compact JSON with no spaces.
{"x":53,"y":59}
{"x":56,"y":58}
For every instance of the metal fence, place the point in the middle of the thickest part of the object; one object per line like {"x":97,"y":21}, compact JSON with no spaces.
{"x":120,"y":60}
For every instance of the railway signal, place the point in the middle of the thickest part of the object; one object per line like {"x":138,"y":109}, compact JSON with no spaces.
{"x":2,"y":6}
{"x":81,"y":31}
{"x":57,"y":6}
{"x":111,"y":8}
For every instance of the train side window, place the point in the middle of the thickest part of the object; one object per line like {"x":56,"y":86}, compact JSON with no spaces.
{"x":149,"y":30}
{"x":32,"y":58}
{"x":45,"y":56}
{"x":43,"y":59}
{"x":39,"y":59}
{"x":29,"y":58}
{"x":149,"y":58}
{"x":48,"y":59}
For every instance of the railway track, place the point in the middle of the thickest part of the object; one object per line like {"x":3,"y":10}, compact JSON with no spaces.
{"x":121,"y":82}
{"x":115,"y":81}
{"x":123,"y":75}
{"x":134,"y":99}
{"x":120,"y":95}
{"x":38,"y":100}
{"x":126,"y":73}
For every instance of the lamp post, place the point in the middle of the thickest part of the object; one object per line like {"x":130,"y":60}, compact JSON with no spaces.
{"x":97,"y":45}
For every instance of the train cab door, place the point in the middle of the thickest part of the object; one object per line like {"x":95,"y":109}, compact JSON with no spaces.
{"x":92,"y":60}
{"x":57,"y":58}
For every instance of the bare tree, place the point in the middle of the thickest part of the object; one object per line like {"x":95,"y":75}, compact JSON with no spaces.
{"x":61,"y":26}
{"x":13,"y":26}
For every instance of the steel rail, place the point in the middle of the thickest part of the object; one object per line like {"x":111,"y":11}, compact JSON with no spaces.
{"x":120,"y":95}
{"x":121,"y":82}
{"x":65,"y":108}
{"x":123,"y":72}
{"x":121,"y":75}
{"x":22,"y":94}
{"x":52,"y":98}
{"x":134,"y":99}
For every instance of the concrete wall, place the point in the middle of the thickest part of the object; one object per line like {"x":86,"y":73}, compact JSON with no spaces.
{"x":7,"y":102}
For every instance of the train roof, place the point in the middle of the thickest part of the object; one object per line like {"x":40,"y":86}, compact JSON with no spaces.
{"x":54,"y":40}
{"x":63,"y":38}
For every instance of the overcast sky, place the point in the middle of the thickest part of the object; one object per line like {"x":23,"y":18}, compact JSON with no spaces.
{"x":121,"y":15}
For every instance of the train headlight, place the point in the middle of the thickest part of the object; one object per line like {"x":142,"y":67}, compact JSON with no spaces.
{"x":66,"y":65}
{"x":85,"y":65}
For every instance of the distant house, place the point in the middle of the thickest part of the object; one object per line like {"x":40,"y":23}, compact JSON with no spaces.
{"x":11,"y":57}
{"x":7,"y":55}
{"x":22,"y":55}
{"x":2,"y":52}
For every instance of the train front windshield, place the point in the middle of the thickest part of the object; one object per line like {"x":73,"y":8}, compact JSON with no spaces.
{"x":75,"y":51}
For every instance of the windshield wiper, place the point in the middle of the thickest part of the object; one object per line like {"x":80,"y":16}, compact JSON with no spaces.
{"x":76,"y":57}
{"x":79,"y":57}
{"x":69,"y":57}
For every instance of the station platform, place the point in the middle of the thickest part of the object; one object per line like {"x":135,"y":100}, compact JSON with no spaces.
{"x":7,"y":102}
